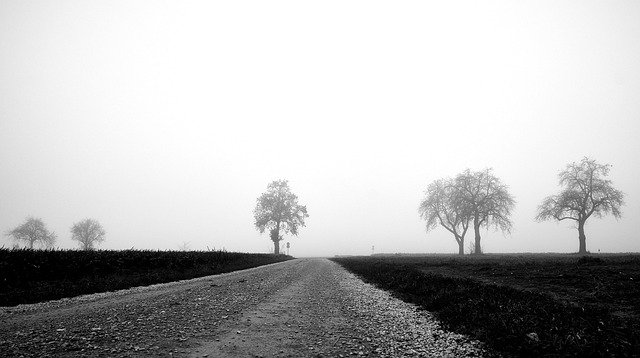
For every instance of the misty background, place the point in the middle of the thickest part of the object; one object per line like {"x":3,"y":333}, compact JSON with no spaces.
{"x":166,"y":120}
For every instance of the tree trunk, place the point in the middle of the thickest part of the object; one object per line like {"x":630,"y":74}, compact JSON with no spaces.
{"x":477,"y":250}
{"x":461,"y":246}
{"x":582,"y":239}
{"x":275,"y":237}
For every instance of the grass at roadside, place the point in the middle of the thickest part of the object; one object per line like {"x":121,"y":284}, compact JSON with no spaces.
{"x":29,"y":276}
{"x":524,"y":305}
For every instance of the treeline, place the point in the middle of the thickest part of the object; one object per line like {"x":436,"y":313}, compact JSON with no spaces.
{"x":29,"y":276}
{"x":475,"y":199}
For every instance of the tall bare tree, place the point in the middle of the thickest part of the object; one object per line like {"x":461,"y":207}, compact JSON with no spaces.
{"x":278,"y":211}
{"x":441,"y":207}
{"x":88,"y":233}
{"x":586,"y":192}
{"x":487,"y":199}
{"x":33,"y":232}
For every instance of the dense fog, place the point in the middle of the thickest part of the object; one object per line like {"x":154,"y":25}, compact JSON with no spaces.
{"x":165,"y":121}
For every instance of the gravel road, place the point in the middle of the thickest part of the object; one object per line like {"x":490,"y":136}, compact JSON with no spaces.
{"x":297,"y":308}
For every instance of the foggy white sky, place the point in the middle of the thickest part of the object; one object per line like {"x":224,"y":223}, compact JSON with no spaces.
{"x":166,"y":120}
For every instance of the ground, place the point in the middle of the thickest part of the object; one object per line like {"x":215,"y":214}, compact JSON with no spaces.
{"x":303,"y":307}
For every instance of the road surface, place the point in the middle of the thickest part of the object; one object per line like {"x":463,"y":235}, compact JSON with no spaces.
{"x":297,"y":308}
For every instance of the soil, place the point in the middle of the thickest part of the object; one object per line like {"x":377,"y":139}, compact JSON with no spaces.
{"x":303,"y":307}
{"x":522,"y":304}
{"x":610,"y":280}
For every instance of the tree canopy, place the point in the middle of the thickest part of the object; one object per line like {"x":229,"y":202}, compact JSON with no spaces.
{"x":441,"y":207}
{"x":33,"y":232}
{"x":88,"y":233}
{"x":585,"y":192}
{"x":278,"y":211}
{"x":487,"y":200}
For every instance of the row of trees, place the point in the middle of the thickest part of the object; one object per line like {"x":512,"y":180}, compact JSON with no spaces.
{"x":33,"y":232}
{"x":479,"y":198}
{"x":473,"y":199}
{"x":277,"y":210}
{"x":470,"y":200}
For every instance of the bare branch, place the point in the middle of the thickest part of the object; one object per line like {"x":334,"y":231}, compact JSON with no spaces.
{"x":585,"y":192}
{"x":34,"y":233}
{"x":88,"y":233}
{"x":440,"y":206}
{"x":490,"y":206}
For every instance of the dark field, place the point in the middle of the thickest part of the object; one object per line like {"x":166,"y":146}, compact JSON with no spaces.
{"x":523,"y":305}
{"x":29,"y":276}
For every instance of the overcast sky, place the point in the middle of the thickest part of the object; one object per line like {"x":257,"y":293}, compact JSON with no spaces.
{"x":165,"y":120}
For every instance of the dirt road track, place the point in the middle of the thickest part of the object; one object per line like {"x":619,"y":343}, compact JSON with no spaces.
{"x":298,"y":308}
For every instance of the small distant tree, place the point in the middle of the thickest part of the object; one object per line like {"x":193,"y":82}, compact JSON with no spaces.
{"x":586,"y":192}
{"x":487,"y":200}
{"x":441,"y":207}
{"x":33,"y":232}
{"x":88,"y":233}
{"x":278,"y":211}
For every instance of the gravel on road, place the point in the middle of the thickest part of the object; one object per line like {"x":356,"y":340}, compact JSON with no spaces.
{"x":297,"y":308}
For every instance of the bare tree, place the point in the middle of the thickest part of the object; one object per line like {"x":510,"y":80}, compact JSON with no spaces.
{"x":585,"y":192}
{"x":88,"y":233}
{"x":440,"y":206}
{"x":33,"y":232}
{"x":278,"y":211}
{"x":487,"y":199}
